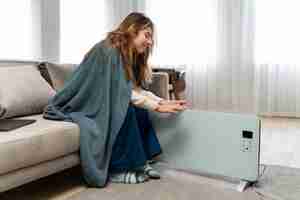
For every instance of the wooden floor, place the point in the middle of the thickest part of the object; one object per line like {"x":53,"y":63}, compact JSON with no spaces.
{"x":280,"y":145}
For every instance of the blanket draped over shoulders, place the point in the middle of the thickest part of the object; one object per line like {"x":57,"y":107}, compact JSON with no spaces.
{"x":96,"y":97}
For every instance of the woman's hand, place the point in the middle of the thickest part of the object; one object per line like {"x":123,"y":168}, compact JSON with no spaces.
{"x":172,"y":102}
{"x":171,"y":106}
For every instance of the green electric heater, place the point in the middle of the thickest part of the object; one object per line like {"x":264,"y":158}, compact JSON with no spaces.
{"x":217,"y":143}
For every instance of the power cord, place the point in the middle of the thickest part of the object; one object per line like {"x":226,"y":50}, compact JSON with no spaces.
{"x":263,"y":171}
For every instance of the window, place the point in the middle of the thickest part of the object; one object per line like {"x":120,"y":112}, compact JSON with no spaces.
{"x":186,"y":31}
{"x":82,"y":25}
{"x":277,"y":32}
{"x":18,"y":38}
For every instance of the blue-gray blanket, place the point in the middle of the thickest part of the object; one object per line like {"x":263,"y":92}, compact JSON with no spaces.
{"x":96,"y":97}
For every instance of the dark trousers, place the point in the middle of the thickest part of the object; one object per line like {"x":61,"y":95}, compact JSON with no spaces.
{"x":136,"y":142}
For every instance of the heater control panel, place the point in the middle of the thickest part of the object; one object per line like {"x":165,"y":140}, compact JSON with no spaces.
{"x":247,"y":141}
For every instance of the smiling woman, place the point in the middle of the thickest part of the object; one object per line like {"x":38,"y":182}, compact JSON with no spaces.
{"x":143,"y":40}
{"x":105,"y":97}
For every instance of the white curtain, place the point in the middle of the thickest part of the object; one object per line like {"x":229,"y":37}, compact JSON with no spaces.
{"x":82,"y":24}
{"x":19,"y":35}
{"x":240,"y":56}
{"x":229,"y":68}
{"x":213,"y":40}
{"x":277,"y":47}
{"x":233,"y":76}
{"x":29,"y":30}
{"x":185,"y":33}
{"x":117,"y":10}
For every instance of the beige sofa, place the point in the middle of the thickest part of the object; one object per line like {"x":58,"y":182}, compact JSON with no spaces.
{"x":44,"y":147}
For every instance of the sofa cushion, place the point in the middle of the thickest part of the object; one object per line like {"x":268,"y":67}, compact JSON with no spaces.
{"x":23,"y":91}
{"x":59,"y":73}
{"x":38,"y":142}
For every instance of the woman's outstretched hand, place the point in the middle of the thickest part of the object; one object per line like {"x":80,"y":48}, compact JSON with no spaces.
{"x":172,"y":106}
{"x":172,"y":102}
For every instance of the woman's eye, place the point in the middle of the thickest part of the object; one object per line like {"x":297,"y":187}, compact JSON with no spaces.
{"x":148,"y":36}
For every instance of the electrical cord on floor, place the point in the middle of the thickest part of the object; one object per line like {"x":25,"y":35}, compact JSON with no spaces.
{"x":261,"y":195}
{"x":264,"y":167}
{"x":263,"y":171}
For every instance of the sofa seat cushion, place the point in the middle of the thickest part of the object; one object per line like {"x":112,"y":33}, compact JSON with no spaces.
{"x":36,"y":143}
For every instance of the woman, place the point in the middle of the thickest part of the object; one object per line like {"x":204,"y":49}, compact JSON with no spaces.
{"x":105,"y":98}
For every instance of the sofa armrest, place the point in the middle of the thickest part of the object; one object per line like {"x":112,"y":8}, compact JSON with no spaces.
{"x":160,"y":84}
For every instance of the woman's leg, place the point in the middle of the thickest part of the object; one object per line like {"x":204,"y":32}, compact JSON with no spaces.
{"x":150,"y":141}
{"x":135,"y":144}
{"x":128,"y":150}
{"x":128,"y":153}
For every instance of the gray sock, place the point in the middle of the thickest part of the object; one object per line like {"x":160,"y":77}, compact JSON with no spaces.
{"x":152,"y":173}
{"x":130,"y":177}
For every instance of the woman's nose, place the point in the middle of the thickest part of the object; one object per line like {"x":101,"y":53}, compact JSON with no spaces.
{"x":149,"y":42}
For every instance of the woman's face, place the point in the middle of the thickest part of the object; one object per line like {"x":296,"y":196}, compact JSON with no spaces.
{"x":143,"y":40}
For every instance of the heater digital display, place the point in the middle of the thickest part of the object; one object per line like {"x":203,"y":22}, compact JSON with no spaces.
{"x":248,"y":134}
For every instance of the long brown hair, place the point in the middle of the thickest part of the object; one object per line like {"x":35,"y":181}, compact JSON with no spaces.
{"x":122,"y":37}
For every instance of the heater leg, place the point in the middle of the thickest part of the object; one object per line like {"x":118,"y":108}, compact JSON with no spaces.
{"x":243,"y":185}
